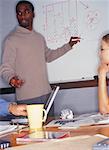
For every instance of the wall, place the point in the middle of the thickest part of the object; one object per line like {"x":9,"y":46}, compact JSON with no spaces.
{"x":7,"y":23}
{"x":80,"y":100}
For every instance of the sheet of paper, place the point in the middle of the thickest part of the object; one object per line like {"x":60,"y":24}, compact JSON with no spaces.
{"x":7,"y":128}
{"x":82,"y":120}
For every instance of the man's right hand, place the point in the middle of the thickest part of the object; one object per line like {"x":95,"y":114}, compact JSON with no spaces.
{"x":16,"y":82}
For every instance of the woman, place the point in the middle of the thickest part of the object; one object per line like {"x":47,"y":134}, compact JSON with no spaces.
{"x":103,"y":70}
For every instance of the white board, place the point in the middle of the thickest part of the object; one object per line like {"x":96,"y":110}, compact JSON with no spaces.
{"x":58,"y":20}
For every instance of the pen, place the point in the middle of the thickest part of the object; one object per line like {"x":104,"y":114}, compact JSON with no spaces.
{"x":67,"y":127}
{"x":77,"y":38}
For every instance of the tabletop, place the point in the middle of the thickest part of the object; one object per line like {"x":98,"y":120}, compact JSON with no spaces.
{"x":86,"y":130}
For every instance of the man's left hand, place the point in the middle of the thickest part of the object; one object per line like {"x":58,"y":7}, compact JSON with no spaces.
{"x":74,"y":40}
{"x":18,"y":110}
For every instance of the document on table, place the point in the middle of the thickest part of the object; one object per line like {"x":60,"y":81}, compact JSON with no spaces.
{"x":82,"y":120}
{"x":7,"y":128}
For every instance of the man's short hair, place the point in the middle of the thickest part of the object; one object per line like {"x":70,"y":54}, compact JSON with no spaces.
{"x":25,"y":2}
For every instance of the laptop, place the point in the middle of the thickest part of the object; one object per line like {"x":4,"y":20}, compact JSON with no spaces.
{"x":51,"y":98}
{"x":47,"y":106}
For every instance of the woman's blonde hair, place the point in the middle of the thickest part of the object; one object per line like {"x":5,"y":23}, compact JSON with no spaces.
{"x":106,"y":38}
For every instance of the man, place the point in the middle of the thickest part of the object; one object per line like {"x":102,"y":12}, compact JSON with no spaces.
{"x":7,"y":108}
{"x":25,"y":56}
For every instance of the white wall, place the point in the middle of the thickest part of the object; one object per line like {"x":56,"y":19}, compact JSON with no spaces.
{"x":7,"y":23}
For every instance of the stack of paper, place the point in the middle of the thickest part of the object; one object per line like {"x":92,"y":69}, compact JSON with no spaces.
{"x":7,"y":128}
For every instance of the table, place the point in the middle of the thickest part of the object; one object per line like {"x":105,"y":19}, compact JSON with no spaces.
{"x":87,"y":130}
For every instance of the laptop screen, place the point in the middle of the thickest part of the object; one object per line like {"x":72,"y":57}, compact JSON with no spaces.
{"x":51,"y":98}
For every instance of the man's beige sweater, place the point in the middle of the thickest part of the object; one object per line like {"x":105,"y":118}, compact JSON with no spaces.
{"x":25,"y":55}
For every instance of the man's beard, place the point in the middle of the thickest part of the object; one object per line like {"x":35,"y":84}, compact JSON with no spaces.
{"x":24,"y":23}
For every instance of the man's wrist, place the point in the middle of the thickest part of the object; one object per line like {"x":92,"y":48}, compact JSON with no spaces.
{"x":70,"y":45}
